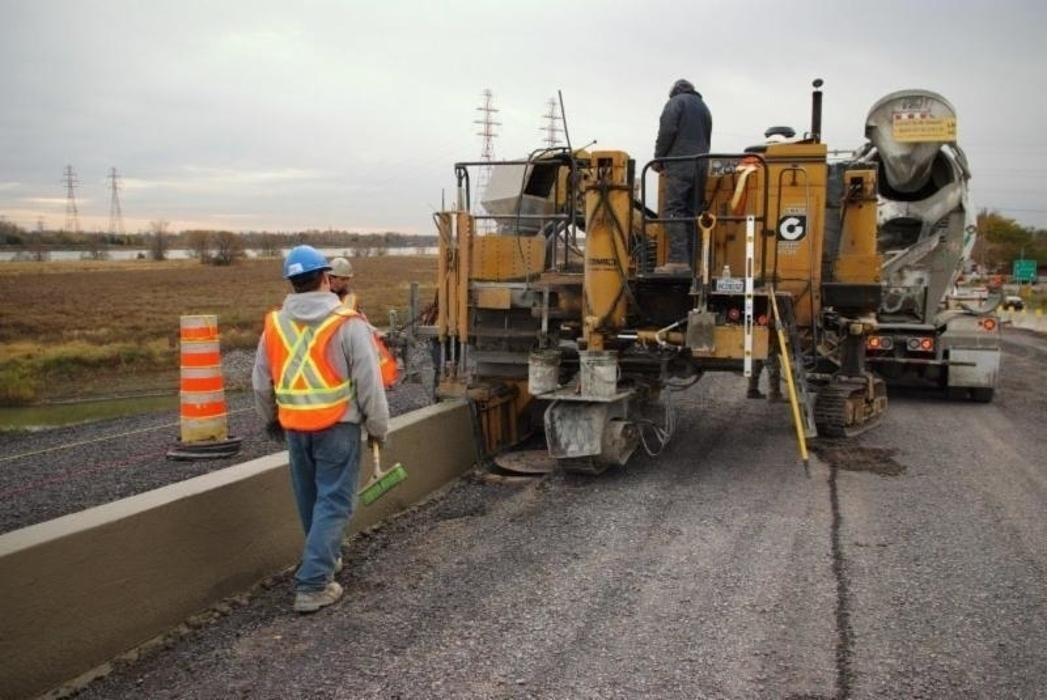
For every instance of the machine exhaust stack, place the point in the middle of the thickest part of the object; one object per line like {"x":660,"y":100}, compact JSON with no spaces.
{"x":816,"y":111}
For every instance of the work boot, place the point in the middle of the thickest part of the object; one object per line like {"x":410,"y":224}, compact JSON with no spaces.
{"x":754,"y":383}
{"x":673,"y":269}
{"x":311,"y":601}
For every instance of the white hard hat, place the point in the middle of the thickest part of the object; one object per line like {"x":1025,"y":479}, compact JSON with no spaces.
{"x":341,"y":267}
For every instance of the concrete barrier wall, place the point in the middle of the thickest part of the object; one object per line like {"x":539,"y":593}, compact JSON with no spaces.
{"x":81,"y":589}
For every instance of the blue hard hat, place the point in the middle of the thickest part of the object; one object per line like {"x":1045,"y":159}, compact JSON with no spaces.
{"x":302,"y":260}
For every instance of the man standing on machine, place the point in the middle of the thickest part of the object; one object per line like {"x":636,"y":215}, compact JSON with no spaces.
{"x":685,"y":129}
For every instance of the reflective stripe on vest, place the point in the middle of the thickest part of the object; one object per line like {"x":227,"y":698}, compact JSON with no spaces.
{"x":310,"y":394}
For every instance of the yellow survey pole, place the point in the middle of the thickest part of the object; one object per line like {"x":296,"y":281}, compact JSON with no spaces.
{"x":794,"y":402}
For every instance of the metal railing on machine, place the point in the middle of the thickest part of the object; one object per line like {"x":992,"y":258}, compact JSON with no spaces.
{"x":698,"y":159}
{"x":559,"y":228}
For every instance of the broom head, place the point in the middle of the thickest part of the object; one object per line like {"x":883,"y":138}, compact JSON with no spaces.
{"x":378,"y":488}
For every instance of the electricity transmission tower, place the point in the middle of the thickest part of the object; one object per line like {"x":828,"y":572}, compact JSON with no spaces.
{"x":72,"y":216}
{"x":551,"y":128}
{"x":116,"y":215}
{"x":36,"y":242}
{"x":487,"y":134}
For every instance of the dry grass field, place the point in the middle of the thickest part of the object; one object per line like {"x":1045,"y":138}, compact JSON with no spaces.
{"x":75,"y":328}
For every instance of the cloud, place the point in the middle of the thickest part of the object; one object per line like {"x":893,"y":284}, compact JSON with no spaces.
{"x":53,"y":201}
{"x":352,"y":114}
{"x":204,"y":178}
{"x":253,"y":177}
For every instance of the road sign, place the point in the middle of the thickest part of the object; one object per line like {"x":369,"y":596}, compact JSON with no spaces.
{"x":1024,"y":271}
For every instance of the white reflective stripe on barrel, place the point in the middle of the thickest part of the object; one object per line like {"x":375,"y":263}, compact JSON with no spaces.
{"x":201,"y":372}
{"x":200,"y":397}
{"x":199,"y":321}
{"x":194,"y":347}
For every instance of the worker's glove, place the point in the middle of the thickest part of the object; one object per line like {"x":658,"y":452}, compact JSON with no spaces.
{"x":382,"y":442}
{"x":275,"y":431}
{"x":658,"y":166}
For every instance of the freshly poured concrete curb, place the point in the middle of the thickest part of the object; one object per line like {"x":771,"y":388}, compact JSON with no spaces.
{"x":78,"y":590}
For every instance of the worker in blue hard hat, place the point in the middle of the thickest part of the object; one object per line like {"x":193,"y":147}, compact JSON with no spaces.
{"x":317,"y":380}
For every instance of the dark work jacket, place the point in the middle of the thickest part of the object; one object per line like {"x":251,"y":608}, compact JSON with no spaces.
{"x":685,"y":129}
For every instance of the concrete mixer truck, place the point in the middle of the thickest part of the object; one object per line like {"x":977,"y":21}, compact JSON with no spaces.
{"x":927,"y":335}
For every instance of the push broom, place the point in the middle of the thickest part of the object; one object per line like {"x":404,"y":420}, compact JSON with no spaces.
{"x":381,"y":482}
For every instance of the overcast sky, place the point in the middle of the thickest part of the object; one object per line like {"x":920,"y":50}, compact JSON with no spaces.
{"x":288,"y":115}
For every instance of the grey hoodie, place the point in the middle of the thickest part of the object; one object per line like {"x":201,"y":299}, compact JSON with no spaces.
{"x":351,"y":353}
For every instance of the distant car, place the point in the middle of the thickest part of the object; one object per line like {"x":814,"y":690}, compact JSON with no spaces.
{"x":1013,"y":303}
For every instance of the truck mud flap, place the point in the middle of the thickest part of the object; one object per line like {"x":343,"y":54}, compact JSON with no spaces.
{"x":973,"y":368}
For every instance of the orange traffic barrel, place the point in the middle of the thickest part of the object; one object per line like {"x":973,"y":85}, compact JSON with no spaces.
{"x":204,"y":416}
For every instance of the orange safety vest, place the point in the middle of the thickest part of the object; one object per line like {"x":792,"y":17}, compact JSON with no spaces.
{"x":386,"y":362}
{"x":310,"y":394}
{"x":387,"y":366}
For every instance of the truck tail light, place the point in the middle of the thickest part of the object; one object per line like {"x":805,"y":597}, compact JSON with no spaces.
{"x":920,"y":344}
{"x":988,"y":323}
{"x":879,"y":342}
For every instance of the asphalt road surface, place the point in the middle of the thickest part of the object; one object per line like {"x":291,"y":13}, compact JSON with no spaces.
{"x":913,"y":562}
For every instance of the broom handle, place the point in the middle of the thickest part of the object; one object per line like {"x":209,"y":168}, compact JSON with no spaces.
{"x":376,"y":451}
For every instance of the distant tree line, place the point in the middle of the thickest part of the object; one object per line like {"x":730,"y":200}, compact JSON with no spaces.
{"x":1002,"y":240}
{"x":219,"y":247}
{"x":15,"y":236}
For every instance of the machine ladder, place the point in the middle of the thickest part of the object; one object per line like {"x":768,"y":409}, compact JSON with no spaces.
{"x":800,"y":400}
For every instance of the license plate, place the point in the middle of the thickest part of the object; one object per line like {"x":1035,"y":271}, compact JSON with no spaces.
{"x":730,"y":285}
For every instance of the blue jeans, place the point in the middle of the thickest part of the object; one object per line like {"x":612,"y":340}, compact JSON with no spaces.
{"x":680,"y":204}
{"x":324,"y":469}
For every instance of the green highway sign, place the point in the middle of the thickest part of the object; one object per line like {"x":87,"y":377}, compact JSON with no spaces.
{"x":1024,"y":271}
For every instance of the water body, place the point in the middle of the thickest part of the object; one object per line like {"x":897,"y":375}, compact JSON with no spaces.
{"x":185,"y":254}
{"x":55,"y":415}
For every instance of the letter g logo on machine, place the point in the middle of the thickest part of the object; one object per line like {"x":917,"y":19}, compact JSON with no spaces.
{"x":792,"y":227}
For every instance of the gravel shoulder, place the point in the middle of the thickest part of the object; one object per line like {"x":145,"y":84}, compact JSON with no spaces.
{"x":49,"y":473}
